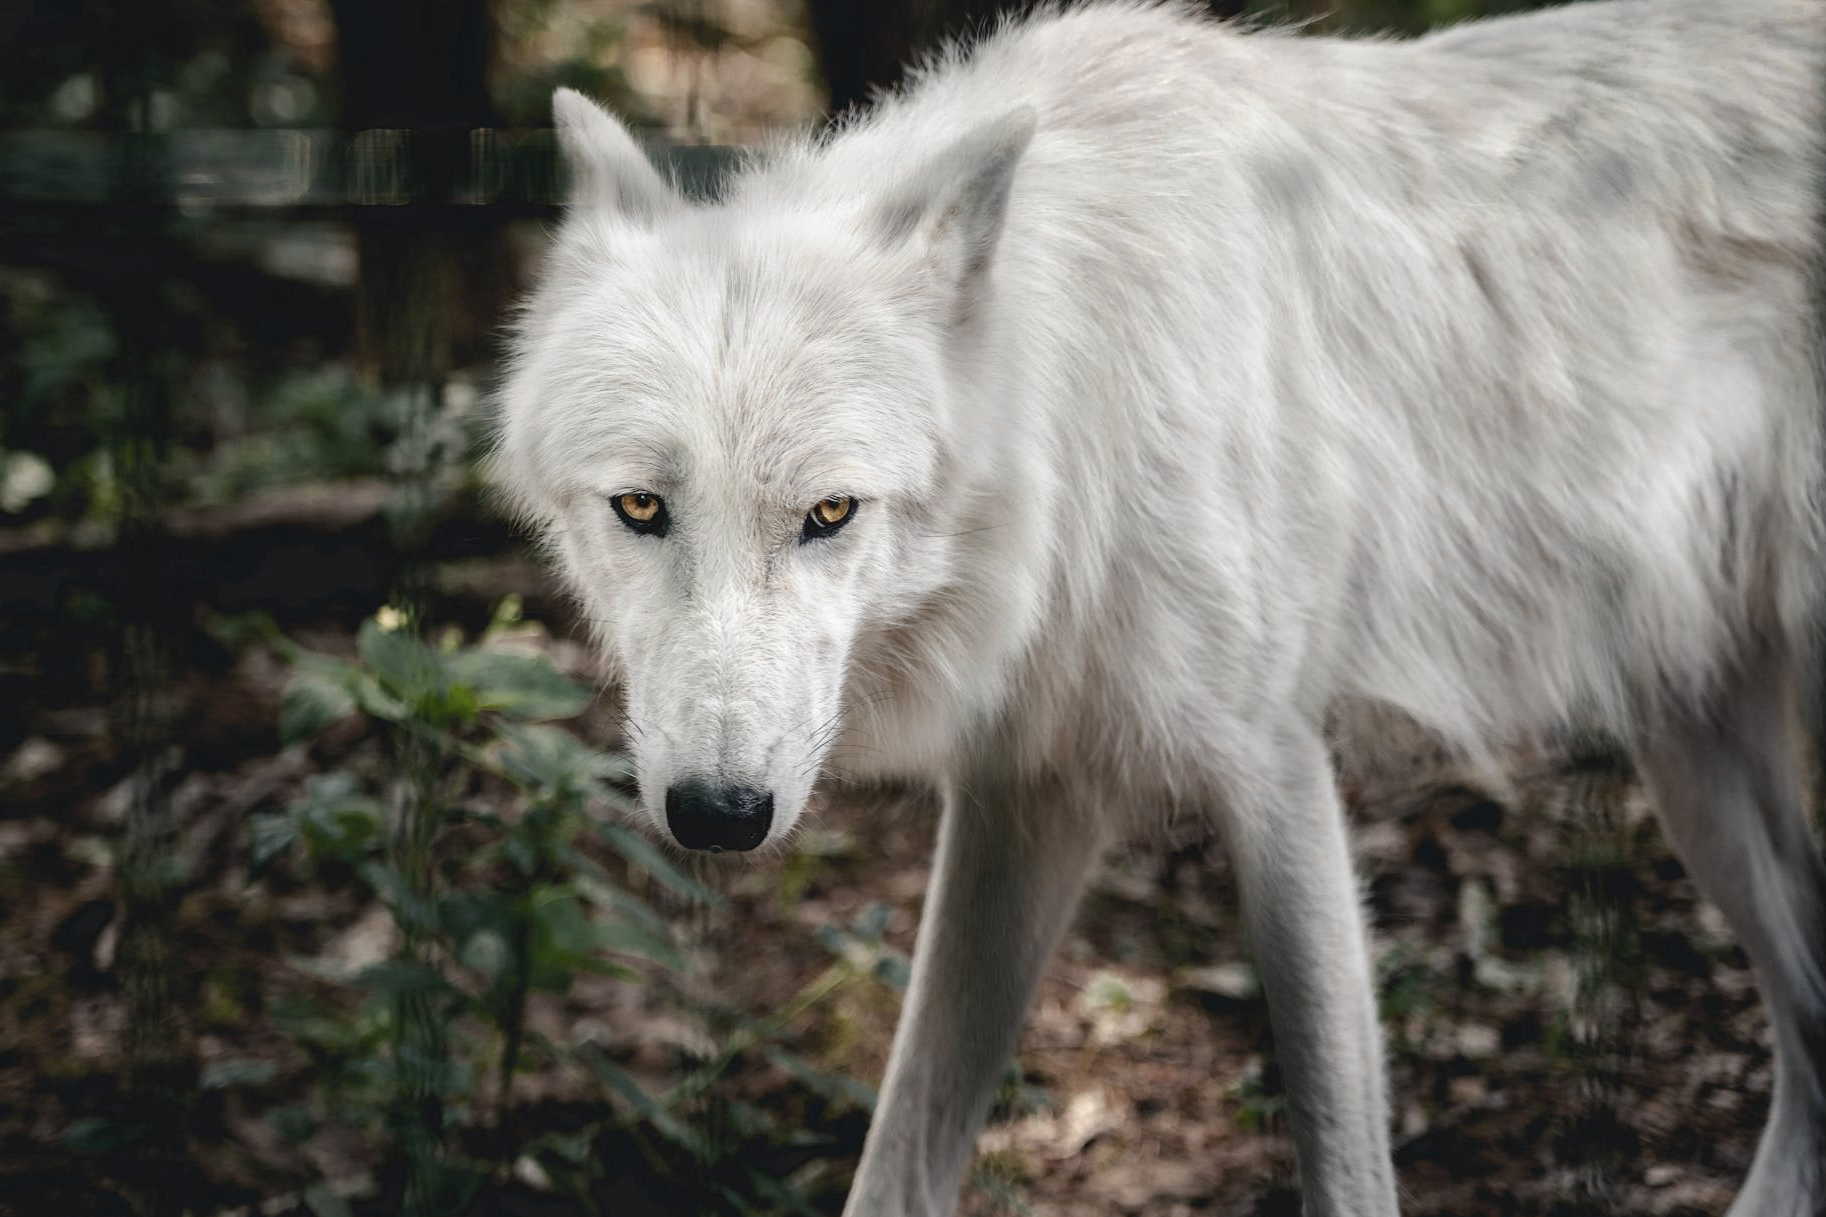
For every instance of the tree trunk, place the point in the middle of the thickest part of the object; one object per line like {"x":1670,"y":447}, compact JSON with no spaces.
{"x":432,"y":282}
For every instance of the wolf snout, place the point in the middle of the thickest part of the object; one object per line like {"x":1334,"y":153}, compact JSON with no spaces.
{"x":704,"y":815}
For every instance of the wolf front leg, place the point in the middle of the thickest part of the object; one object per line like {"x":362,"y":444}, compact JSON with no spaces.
{"x":1291,"y":850}
{"x":1010,"y":867}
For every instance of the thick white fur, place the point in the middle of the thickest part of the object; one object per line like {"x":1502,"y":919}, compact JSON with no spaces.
{"x":1190,"y":380}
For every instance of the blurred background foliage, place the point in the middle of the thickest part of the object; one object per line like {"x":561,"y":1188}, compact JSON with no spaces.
{"x":314,"y":892}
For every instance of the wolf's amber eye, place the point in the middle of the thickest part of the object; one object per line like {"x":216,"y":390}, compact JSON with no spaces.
{"x":827,"y":516}
{"x":642,"y":512}
{"x":639,"y":507}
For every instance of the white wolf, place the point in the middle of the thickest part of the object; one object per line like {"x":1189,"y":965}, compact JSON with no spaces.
{"x":1079,"y":425}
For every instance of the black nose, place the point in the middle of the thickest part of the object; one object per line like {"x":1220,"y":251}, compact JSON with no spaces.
{"x":703,"y":816}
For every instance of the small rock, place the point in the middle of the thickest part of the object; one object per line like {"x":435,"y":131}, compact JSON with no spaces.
{"x":528,"y":1171}
{"x":1236,"y":981}
{"x":1413,"y":1120}
{"x":1120,"y":1007}
{"x":1469,"y":1090}
{"x":34,"y":758}
{"x":1479,"y":1040}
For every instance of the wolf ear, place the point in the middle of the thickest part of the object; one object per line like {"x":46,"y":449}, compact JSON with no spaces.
{"x":607,"y":168}
{"x":955,"y":202}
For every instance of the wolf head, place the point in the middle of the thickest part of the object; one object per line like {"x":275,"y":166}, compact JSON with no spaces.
{"x":729,"y":422}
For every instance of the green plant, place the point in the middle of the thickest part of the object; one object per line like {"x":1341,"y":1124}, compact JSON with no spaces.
{"x":1260,"y":1102}
{"x":483,"y":846}
{"x":320,"y":425}
{"x":528,"y":912}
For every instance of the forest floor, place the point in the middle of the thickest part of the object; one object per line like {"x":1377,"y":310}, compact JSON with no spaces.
{"x":1570,"y":1030}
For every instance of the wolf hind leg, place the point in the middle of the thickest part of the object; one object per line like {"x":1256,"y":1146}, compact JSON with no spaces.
{"x":1726,"y":780}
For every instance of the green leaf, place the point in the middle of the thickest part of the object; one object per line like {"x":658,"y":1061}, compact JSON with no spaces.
{"x":271,"y":834}
{"x":894,"y":971}
{"x":522,"y":686}
{"x":594,"y":884}
{"x":403,"y":663}
{"x":344,"y":833}
{"x":376,"y":700}
{"x":550,"y":760}
{"x":99,"y":1135}
{"x":335,"y":818}
{"x":837,"y":1087}
{"x":632,"y":940}
{"x":462,"y":914}
{"x":411,"y":909}
{"x":871,"y":921}
{"x":398,"y":978}
{"x":564,"y":937}
{"x":644,"y":854}
{"x":292,"y":1121}
{"x":521,"y":853}
{"x":313,"y":700}
{"x":428,"y":1072}
{"x":644,"y":1104}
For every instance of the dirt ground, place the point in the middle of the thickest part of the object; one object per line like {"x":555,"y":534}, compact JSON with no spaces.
{"x":1570,"y":1030}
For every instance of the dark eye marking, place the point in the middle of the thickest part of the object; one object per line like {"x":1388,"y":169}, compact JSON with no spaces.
{"x":642,"y":512}
{"x":827,"y":516}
